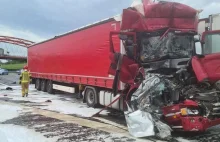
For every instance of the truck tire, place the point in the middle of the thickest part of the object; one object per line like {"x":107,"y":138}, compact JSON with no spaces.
{"x":91,"y":97}
{"x":50,"y":87}
{"x":43,"y":85}
{"x":38,"y":84}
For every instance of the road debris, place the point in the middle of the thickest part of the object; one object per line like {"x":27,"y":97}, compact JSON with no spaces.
{"x":9,"y":88}
{"x":49,"y":101}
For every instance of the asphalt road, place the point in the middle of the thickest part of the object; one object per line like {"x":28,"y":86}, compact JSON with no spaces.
{"x":66,"y":119}
{"x":52,"y":129}
{"x":10,"y":79}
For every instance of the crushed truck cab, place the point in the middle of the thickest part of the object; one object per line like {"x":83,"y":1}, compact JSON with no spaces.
{"x":160,"y":65}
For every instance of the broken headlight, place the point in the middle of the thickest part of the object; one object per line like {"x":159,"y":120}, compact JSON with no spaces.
{"x":189,"y":111}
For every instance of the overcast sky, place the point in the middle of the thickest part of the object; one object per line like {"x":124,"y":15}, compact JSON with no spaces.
{"x":38,"y":20}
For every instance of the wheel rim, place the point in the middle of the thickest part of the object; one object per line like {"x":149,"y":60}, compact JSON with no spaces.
{"x":91,"y":97}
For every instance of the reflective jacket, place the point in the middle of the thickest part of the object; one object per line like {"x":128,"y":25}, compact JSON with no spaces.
{"x":25,"y":77}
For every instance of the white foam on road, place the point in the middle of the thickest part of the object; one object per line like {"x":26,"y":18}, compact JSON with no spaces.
{"x":185,"y":140}
{"x":60,"y":103}
{"x":12,"y":133}
{"x":8,"y":112}
{"x":70,"y":108}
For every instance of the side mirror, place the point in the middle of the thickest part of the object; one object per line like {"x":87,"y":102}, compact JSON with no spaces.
{"x":123,"y":37}
{"x":198,"y":48}
{"x":196,"y":38}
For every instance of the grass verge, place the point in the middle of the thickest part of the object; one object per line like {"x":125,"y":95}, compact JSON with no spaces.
{"x":13,"y":66}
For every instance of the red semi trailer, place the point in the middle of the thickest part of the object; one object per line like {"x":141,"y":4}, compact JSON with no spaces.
{"x":78,"y":57}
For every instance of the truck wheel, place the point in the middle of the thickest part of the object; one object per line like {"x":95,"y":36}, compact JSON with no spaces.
{"x":43,"y":85}
{"x":91,"y":96}
{"x":38,"y":84}
{"x":50,"y":87}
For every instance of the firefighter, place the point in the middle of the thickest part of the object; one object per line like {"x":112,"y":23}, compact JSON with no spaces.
{"x":79,"y":96}
{"x":25,"y":79}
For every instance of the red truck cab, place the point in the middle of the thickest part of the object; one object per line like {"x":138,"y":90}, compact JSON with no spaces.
{"x":180,"y":109}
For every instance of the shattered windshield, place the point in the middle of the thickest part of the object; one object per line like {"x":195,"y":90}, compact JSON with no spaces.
{"x":171,"y":46}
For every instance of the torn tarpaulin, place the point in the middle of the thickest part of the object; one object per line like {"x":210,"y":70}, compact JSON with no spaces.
{"x":143,"y":119}
{"x":140,"y":123}
{"x":163,"y":129}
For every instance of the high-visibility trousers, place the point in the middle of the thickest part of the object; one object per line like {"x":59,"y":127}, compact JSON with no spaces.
{"x":80,"y":87}
{"x":24,"y":88}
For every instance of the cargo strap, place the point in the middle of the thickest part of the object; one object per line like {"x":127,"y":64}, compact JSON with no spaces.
{"x":117,"y":75}
{"x":115,"y":85}
{"x":96,"y":114}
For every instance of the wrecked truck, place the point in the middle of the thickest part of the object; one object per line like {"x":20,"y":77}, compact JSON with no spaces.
{"x":172,"y":81}
{"x":153,"y":72}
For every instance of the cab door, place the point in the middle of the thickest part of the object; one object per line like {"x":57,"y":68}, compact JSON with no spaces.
{"x":123,"y":65}
{"x":207,"y":64}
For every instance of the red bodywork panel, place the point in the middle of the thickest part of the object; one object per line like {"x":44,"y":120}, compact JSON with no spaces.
{"x":128,"y":70}
{"x":160,"y":15}
{"x":81,"y":56}
{"x":187,"y":123}
{"x":207,"y":67}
